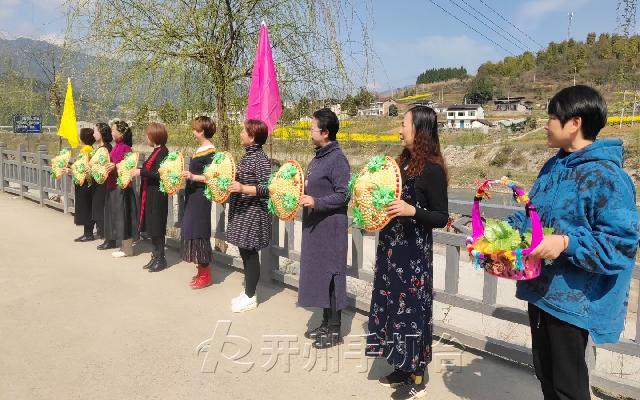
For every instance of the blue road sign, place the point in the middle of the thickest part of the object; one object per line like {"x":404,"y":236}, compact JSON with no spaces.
{"x":27,"y":124}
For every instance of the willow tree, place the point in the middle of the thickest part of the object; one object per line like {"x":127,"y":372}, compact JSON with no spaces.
{"x":205,"y":48}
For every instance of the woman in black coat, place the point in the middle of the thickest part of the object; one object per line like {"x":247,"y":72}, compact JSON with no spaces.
{"x":153,"y":202}
{"x":103,"y":138}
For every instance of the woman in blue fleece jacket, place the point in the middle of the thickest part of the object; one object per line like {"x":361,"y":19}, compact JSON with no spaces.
{"x":589,"y":200}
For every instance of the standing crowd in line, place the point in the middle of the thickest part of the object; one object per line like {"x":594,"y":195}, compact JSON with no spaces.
{"x":582,"y":192}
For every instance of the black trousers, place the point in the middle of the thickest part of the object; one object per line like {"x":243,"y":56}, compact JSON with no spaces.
{"x":251,"y":261}
{"x":100,"y":228}
{"x":158,"y":246}
{"x":88,"y":229}
{"x":330,"y":316}
{"x":559,"y":357}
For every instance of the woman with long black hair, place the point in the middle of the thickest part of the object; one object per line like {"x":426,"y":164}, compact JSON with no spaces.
{"x":121,"y":210}
{"x":400,"y":320}
{"x":102,"y":135}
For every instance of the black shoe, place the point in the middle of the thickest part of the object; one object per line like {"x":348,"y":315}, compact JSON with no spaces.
{"x":396,"y":379}
{"x":328,"y":339}
{"x":150,"y":263}
{"x":79,"y":238}
{"x":85,"y":238}
{"x":108,"y":244}
{"x":312,"y":334}
{"x":158,"y":265}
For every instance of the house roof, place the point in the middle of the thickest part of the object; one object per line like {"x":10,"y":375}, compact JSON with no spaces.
{"x":510,"y":100}
{"x":485,"y":122}
{"x":456,"y":107}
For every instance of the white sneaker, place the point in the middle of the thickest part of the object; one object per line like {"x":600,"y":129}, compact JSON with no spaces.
{"x":118,"y":254}
{"x":239,"y":297}
{"x":244,"y":304}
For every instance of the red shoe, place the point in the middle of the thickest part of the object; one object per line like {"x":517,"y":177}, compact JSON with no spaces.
{"x":196,"y":276}
{"x":203,"y":280}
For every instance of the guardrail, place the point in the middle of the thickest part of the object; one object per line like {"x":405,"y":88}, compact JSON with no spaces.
{"x":28,"y":175}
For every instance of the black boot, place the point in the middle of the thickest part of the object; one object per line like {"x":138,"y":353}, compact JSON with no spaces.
{"x":331,"y":336}
{"x":159,"y":264}
{"x":312,"y":334}
{"x":108,"y":244}
{"x":150,"y":263}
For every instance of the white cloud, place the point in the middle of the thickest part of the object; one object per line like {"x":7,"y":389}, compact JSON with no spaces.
{"x":403,"y":61}
{"x":532,"y":12}
{"x":53,"y":38}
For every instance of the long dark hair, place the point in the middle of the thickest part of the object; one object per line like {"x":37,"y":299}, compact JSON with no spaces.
{"x":105,"y":132}
{"x":426,"y":143}
{"x":125,"y":130}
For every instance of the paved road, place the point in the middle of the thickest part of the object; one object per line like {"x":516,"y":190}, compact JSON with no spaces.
{"x":77,"y":324}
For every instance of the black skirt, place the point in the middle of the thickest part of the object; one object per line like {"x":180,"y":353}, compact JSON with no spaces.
{"x":82,"y":214}
{"x":97,"y":201}
{"x":197,"y":251}
{"x":121,"y":215}
{"x":154,"y":208}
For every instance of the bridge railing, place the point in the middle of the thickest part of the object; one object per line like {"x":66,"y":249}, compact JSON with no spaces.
{"x":28,"y":175}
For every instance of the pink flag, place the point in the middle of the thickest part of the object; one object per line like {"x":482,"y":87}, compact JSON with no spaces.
{"x":264,"y":96}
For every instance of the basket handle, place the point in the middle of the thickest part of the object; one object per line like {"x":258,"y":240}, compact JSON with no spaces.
{"x":477,"y":226}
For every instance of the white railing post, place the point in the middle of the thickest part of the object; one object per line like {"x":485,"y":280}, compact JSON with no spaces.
{"x":19,"y":163}
{"x":3,"y":147}
{"x":42,"y":179}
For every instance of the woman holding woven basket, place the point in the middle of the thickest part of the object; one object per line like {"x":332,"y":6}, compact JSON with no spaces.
{"x":102,"y":135}
{"x":154,"y":204}
{"x":249,"y":225}
{"x":121,"y":209}
{"x":83,"y":192}
{"x":196,"y":221}
{"x":400,"y":320}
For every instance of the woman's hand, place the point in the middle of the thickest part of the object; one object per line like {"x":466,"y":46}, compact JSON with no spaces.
{"x":307,"y":201}
{"x":187,"y":175}
{"x":110,"y":167}
{"x":400,"y":208}
{"x":135,"y":172}
{"x":66,"y":171}
{"x":551,"y":247}
{"x":236,"y":187}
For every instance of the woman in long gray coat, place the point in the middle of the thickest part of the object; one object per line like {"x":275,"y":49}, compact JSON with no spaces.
{"x":323,"y":259}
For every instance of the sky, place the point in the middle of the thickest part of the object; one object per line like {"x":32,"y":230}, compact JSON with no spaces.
{"x":407,"y":36}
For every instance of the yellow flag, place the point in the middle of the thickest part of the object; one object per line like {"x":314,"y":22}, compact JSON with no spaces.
{"x":68,"y":127}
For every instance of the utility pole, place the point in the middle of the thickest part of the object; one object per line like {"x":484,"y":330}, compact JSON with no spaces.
{"x":575,"y":70}
{"x":570,"y":14}
{"x":633,"y":112}
{"x":624,"y":100}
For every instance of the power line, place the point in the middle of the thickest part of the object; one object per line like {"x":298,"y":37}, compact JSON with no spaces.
{"x":496,"y":25}
{"x":479,"y":20}
{"x":470,"y":27}
{"x":509,"y":22}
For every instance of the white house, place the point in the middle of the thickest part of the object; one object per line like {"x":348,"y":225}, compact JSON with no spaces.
{"x":519,"y":104}
{"x":463,"y":115}
{"x":337,"y":109}
{"x":377,"y":109}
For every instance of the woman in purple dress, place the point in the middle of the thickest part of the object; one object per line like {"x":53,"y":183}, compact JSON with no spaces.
{"x":323,"y":257}
{"x":400,"y":319}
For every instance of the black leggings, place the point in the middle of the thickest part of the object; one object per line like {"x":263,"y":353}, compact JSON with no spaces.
{"x":158,"y":245}
{"x":88,"y":229}
{"x":251,"y":261}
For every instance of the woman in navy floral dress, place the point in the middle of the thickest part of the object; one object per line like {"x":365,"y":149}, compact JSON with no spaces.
{"x":400,"y":320}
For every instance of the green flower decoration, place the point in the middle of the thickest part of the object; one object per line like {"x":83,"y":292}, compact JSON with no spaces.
{"x":376,"y":163}
{"x":75,"y":181}
{"x":218,"y":157}
{"x":129,"y":162}
{"x":172,"y":156}
{"x":119,"y":181}
{"x":174,"y":177}
{"x":271,"y":177}
{"x":501,"y":236}
{"x":289,"y":201}
{"x":53,"y":173}
{"x":223,"y":182}
{"x":162,"y":188}
{"x":527,"y":236}
{"x":288,"y":171}
{"x":102,"y":160}
{"x":96,"y":176}
{"x":271,"y":207}
{"x":208,"y":194}
{"x":352,"y":182}
{"x":60,"y":163}
{"x":80,"y":168}
{"x":64,"y":152}
{"x":358,"y":218}
{"x":382,"y":196}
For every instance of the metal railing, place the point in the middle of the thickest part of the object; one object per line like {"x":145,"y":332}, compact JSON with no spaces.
{"x":28,"y":175}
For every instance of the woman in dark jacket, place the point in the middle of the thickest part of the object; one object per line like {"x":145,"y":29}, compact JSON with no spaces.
{"x":83,"y":194}
{"x":249,"y":225}
{"x":400,"y":320}
{"x":103,"y":138}
{"x":196,"y":221}
{"x":323,"y":257}
{"x":153,"y":202}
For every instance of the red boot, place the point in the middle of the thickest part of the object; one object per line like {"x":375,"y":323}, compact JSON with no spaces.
{"x":204,"y":279}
